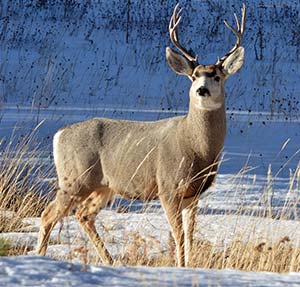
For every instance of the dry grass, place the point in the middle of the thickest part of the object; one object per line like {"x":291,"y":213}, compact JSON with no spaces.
{"x":281,"y":256}
{"x":21,"y":188}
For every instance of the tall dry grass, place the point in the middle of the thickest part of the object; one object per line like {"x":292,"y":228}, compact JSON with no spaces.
{"x":282,"y":256}
{"x":22,"y":181}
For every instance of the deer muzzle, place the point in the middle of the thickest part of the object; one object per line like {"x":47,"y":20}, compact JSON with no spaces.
{"x":203,"y":92}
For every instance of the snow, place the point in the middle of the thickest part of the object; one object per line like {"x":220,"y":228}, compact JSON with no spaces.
{"x":43,"y":271}
{"x":153,"y":228}
{"x":119,"y":230}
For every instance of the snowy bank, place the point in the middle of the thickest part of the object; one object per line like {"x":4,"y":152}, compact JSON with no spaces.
{"x":43,"y":271}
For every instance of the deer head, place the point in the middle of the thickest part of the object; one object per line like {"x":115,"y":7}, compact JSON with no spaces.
{"x":207,"y":89}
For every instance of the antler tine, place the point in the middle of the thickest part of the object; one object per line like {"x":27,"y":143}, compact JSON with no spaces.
{"x":174,"y":22}
{"x":237,"y":22}
{"x":237,"y":32}
{"x":173,"y":25}
{"x":243,"y":9}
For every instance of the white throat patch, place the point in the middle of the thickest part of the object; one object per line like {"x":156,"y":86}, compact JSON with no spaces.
{"x":207,"y":104}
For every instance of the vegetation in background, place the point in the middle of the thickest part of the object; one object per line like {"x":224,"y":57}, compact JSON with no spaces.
{"x":24,"y":181}
{"x":4,"y":247}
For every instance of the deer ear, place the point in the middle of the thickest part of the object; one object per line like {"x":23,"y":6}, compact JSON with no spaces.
{"x":179,"y":64}
{"x":233,"y":62}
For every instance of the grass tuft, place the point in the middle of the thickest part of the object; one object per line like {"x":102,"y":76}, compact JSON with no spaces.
{"x":22,"y":181}
{"x":4,"y":247}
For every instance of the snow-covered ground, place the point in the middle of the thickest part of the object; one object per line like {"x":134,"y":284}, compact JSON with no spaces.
{"x":122,"y":230}
{"x":41,"y":271}
{"x":153,"y":229}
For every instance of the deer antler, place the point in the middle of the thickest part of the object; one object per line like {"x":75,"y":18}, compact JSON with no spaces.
{"x":238,"y":33}
{"x":174,"y":22}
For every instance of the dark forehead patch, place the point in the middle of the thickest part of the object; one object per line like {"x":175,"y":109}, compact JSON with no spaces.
{"x":209,"y":71}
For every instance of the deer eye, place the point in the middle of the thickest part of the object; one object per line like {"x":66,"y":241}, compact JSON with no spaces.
{"x":217,"y":79}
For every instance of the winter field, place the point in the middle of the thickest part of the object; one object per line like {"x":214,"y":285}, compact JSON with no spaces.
{"x":67,"y":61}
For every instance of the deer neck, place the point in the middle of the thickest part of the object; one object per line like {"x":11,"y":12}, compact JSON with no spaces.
{"x":205,"y":131}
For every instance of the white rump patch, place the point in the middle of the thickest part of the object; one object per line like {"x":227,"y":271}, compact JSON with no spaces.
{"x":55,"y":146}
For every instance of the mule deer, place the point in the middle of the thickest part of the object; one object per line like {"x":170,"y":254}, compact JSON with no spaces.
{"x":173,"y":159}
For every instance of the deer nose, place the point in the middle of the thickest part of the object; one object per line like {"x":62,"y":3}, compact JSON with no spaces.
{"x":202,"y":91}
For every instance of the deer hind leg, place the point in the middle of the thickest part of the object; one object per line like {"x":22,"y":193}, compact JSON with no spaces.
{"x":189,"y":212}
{"x":173,"y":207}
{"x":50,"y":216}
{"x":86,"y":216}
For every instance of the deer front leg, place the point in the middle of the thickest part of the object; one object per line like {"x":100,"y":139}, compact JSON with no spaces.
{"x":172,"y":206}
{"x":188,"y":215}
